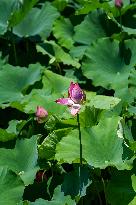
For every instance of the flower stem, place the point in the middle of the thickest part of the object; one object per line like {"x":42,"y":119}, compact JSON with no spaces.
{"x":104,"y":189}
{"x":80,"y":142}
{"x":15,"y":53}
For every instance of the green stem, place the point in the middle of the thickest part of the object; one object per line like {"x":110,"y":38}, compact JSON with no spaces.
{"x":80,"y":166}
{"x":104,"y":189}
{"x":15,"y":53}
{"x":80,"y":140}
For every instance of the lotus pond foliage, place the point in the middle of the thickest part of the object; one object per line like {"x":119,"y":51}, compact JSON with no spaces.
{"x":67,"y":102}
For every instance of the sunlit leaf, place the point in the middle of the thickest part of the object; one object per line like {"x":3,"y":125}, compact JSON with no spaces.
{"x":63,"y":31}
{"x":48,"y":146}
{"x":110,"y":70}
{"x":101,"y":145}
{"x":9,"y":133}
{"x":6,"y":8}
{"x":54,"y":87}
{"x":22,"y":159}
{"x":90,"y":29}
{"x":23,"y":8}
{"x":101,"y":101}
{"x":18,"y":79}
{"x":37,"y":21}
{"x":57,"y":54}
{"x":11,"y":187}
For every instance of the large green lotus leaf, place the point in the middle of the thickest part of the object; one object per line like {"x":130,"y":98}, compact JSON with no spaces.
{"x":101,"y":101}
{"x":78,"y":51}
{"x":6,"y":8}
{"x":88,"y":6}
{"x":57,"y":54}
{"x":133,"y":178}
{"x":75,"y":183}
{"x":48,"y":146}
{"x":23,"y":8}
{"x":41,"y":98}
{"x":9,"y":133}
{"x":56,"y":84}
{"x":94,"y":105}
{"x":119,"y":190}
{"x":101,"y":145}
{"x":2,"y":61}
{"x":22,"y":159}
{"x":91,"y":119}
{"x":133,"y":202}
{"x":37,"y":21}
{"x":90,"y":29}
{"x":58,"y":199}
{"x":107,"y":66}
{"x":63,"y":31}
{"x":132,"y":83}
{"x":54,"y":87}
{"x":11,"y":187}
{"x":60,"y":4}
{"x":55,"y":123}
{"x":132,"y":79}
{"x":13,"y":80}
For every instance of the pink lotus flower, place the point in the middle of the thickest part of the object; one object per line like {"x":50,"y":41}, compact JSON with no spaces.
{"x":118,"y":3}
{"x":76,"y":97}
{"x":41,"y":114}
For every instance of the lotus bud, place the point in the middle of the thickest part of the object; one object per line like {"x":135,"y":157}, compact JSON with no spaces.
{"x":118,"y":3}
{"x":41,"y":114}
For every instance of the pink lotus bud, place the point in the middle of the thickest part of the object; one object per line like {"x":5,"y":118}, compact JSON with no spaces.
{"x":118,"y":3}
{"x":76,"y":93}
{"x":41,"y":114}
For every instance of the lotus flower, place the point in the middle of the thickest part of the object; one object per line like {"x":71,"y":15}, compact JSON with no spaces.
{"x":118,"y":3}
{"x":41,"y":114}
{"x":76,"y":97}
